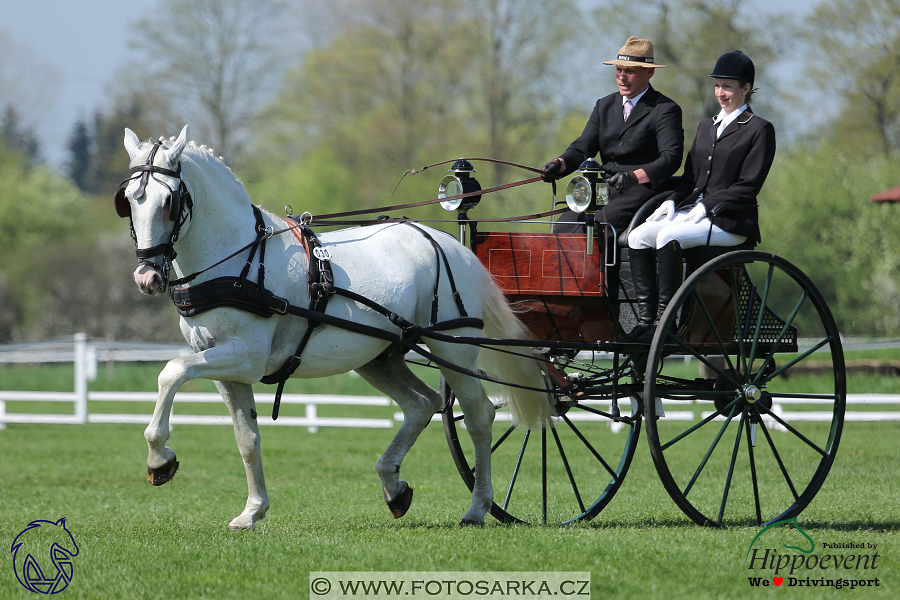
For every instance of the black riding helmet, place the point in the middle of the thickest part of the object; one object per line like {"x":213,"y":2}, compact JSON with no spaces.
{"x":734,"y":65}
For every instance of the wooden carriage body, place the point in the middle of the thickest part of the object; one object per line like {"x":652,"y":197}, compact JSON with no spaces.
{"x":561,"y":292}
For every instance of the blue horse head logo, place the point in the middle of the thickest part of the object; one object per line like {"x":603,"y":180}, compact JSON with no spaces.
{"x":42,"y":556}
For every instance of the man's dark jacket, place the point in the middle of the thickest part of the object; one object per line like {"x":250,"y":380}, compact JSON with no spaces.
{"x":652,"y":139}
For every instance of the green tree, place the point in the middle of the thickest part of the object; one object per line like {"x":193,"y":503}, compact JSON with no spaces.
{"x":854,"y":54}
{"x":81,"y":154}
{"x":409,"y":83}
{"x":209,"y":63}
{"x":821,"y":220}
{"x":38,"y":208}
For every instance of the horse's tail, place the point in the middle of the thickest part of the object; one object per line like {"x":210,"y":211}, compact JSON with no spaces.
{"x":529,"y":408}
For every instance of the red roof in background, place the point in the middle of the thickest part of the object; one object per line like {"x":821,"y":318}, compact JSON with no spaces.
{"x":891,"y":195}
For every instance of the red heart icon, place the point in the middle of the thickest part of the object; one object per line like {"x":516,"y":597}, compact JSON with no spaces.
{"x":778,"y":580}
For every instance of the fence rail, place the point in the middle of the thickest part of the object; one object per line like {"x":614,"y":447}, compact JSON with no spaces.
{"x":86,"y":354}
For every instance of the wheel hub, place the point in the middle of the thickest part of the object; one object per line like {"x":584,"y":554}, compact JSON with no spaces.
{"x":751,"y":393}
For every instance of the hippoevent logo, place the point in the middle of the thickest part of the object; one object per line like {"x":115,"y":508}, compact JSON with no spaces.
{"x":837,"y":565}
{"x":42,"y":556}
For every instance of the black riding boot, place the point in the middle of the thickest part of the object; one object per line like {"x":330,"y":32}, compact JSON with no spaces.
{"x":643,"y":277}
{"x":671,"y":274}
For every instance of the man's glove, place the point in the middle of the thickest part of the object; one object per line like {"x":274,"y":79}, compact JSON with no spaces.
{"x":550,"y":171}
{"x":664,"y":212}
{"x":622,"y":181}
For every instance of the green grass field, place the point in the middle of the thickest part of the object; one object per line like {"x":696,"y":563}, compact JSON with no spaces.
{"x":137,"y":541}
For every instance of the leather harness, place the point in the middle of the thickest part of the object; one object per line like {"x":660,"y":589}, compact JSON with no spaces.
{"x":238,"y":292}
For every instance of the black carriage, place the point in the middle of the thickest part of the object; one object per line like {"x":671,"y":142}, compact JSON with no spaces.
{"x":742,"y":390}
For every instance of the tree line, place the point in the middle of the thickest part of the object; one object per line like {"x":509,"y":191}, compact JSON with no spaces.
{"x":328,"y":114}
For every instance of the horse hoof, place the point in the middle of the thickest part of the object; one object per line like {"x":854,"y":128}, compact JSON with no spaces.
{"x":163,"y":474}
{"x":470,"y":523}
{"x":400,"y":504}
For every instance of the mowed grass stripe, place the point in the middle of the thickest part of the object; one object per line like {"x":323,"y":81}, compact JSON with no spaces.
{"x":327,"y":514}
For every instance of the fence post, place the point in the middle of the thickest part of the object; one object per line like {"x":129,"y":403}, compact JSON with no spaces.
{"x":312,"y":415}
{"x":81,"y":373}
{"x":2,"y":415}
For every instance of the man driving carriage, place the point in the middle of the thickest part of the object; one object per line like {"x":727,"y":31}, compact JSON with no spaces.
{"x":637,"y":132}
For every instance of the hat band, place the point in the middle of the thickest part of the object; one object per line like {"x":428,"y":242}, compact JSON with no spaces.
{"x":636,"y":58}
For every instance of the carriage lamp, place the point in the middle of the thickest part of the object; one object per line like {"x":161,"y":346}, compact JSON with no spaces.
{"x":585,"y":192}
{"x":461,"y":182}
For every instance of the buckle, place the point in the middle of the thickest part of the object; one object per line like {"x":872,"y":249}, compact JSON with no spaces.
{"x":274,"y":300}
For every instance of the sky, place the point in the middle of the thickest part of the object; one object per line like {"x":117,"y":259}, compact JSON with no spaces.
{"x":87,"y":41}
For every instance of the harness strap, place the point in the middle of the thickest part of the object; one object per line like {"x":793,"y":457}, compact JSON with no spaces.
{"x":320,"y":283}
{"x":440,"y":252}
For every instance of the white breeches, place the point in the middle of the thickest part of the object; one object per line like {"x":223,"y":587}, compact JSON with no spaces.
{"x":689,"y":234}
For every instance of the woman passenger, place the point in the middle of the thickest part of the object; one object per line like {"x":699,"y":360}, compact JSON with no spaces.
{"x":728,"y":162}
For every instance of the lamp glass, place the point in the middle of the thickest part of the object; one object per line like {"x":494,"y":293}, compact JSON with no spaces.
{"x":578,"y":194}
{"x":602,"y":193}
{"x":450,"y":186}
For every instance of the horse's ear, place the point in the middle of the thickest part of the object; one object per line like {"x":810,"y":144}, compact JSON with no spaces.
{"x":173,"y":153}
{"x":132,"y":143}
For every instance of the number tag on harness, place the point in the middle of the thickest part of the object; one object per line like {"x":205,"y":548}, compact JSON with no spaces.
{"x":322,"y":253}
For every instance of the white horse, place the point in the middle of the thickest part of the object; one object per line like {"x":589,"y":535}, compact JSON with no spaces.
{"x":391,"y":264}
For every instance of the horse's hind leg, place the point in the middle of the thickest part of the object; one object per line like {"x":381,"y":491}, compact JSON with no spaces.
{"x":479,"y":417}
{"x":239,"y":399}
{"x":419,"y":402}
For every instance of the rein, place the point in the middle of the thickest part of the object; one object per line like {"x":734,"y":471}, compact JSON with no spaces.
{"x":322,"y":219}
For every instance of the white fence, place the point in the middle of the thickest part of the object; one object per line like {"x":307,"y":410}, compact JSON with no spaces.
{"x":87,"y":354}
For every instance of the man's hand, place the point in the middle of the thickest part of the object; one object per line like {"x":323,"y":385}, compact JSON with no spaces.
{"x":550,"y":171}
{"x":622,"y":181}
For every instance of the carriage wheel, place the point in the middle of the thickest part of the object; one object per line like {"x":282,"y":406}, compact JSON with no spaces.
{"x":762,"y":427}
{"x":565,"y":473}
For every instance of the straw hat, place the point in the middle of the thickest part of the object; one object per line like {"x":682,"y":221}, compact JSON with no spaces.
{"x":635,"y":53}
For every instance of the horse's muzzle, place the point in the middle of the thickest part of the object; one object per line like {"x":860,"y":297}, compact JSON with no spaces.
{"x":148,"y":278}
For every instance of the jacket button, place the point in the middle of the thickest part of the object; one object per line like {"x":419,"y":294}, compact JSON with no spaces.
{"x":710,"y":157}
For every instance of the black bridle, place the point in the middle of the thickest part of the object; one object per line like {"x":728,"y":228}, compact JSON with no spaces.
{"x":181,"y":208}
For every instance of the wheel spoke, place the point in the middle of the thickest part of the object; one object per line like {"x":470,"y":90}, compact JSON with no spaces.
{"x":762,"y":312}
{"x":589,"y":446}
{"x":515,"y":475}
{"x":702,"y":358}
{"x":503,"y":437}
{"x":782,"y":333}
{"x":594,"y":411}
{"x":753,"y":474}
{"x":709,"y":452}
{"x":734,"y":453}
{"x":787,"y":425}
{"x":777,"y":456}
{"x":544,"y":475}
{"x":714,"y":329}
{"x":736,"y":298}
{"x":697,"y":426}
{"x":777,"y":372}
{"x":562,"y":454}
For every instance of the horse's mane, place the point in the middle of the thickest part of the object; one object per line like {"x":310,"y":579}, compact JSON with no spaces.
{"x":201,"y":155}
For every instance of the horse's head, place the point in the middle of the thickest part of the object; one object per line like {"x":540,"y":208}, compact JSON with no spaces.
{"x":156,"y":200}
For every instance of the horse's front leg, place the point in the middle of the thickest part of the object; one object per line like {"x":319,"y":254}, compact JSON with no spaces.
{"x":227,"y":361}
{"x":242,"y":406}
